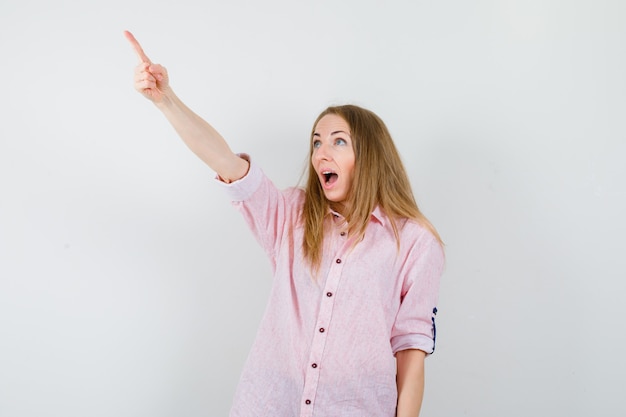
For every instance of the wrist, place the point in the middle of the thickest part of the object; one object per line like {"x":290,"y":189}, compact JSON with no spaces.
{"x":167,"y":100}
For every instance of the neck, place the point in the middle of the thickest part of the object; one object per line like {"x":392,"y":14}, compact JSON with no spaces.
{"x":339,"y":207}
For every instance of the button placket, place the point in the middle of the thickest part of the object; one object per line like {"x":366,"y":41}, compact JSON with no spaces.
{"x":323,"y":325}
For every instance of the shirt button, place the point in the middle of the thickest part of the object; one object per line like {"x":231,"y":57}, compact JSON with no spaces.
{"x":338,"y":261}
{"x":329,"y":294}
{"x":342,"y":233}
{"x":307,"y":402}
{"x":322,"y":330}
{"x":314,"y":366}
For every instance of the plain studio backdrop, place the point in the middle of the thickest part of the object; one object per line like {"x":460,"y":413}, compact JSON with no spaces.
{"x":129,"y":286}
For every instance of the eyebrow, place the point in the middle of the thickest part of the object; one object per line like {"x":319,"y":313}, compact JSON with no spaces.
{"x":333,"y":133}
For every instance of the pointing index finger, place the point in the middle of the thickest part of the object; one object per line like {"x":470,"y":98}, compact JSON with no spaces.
{"x":138,"y":50}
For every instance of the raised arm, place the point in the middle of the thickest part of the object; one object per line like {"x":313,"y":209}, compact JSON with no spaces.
{"x":152,"y":81}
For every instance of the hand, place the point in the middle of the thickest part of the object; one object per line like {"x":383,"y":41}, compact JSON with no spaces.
{"x":151,"y":80}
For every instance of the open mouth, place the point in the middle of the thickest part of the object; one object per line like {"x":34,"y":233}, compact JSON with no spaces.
{"x":330,"y":177}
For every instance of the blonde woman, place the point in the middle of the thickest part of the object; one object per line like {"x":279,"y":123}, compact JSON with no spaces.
{"x":351,"y":314}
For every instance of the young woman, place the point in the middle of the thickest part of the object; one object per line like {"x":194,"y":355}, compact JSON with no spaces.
{"x":351,"y":314}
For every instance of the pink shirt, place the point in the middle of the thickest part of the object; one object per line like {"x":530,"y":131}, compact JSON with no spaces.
{"x":326,"y":343}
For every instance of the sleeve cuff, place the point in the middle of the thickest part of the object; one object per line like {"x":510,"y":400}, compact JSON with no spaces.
{"x":243,"y":188}
{"x":412,"y":341}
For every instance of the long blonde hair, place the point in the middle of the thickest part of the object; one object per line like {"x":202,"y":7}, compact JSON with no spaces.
{"x":379,"y":180}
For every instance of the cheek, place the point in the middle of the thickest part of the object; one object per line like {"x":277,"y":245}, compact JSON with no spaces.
{"x":350,"y":167}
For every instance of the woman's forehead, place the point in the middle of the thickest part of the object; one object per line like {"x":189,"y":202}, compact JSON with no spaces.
{"x":331,"y":124}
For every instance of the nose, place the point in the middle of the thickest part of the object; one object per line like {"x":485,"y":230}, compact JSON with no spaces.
{"x":322,"y":153}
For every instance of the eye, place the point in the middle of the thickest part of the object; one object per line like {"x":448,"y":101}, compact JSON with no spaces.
{"x":341,"y":142}
{"x":316,"y":143}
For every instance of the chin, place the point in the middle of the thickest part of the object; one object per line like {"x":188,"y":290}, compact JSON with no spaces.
{"x":333,"y":199}
{"x":335,"y":203}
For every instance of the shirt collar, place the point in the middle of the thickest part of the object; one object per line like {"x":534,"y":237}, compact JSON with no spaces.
{"x":377,"y":215}
{"x":380,"y":216}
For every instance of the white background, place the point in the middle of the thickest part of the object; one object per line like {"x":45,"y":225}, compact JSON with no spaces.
{"x":130,"y":287}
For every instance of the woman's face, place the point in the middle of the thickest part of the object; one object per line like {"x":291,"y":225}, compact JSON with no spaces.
{"x":333,"y":157}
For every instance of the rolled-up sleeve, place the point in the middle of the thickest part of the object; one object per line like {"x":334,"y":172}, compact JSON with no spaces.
{"x":268,"y":211}
{"x":414,"y":327}
{"x":243,"y":188}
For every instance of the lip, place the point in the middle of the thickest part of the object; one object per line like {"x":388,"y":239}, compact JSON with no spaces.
{"x":322,"y":177}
